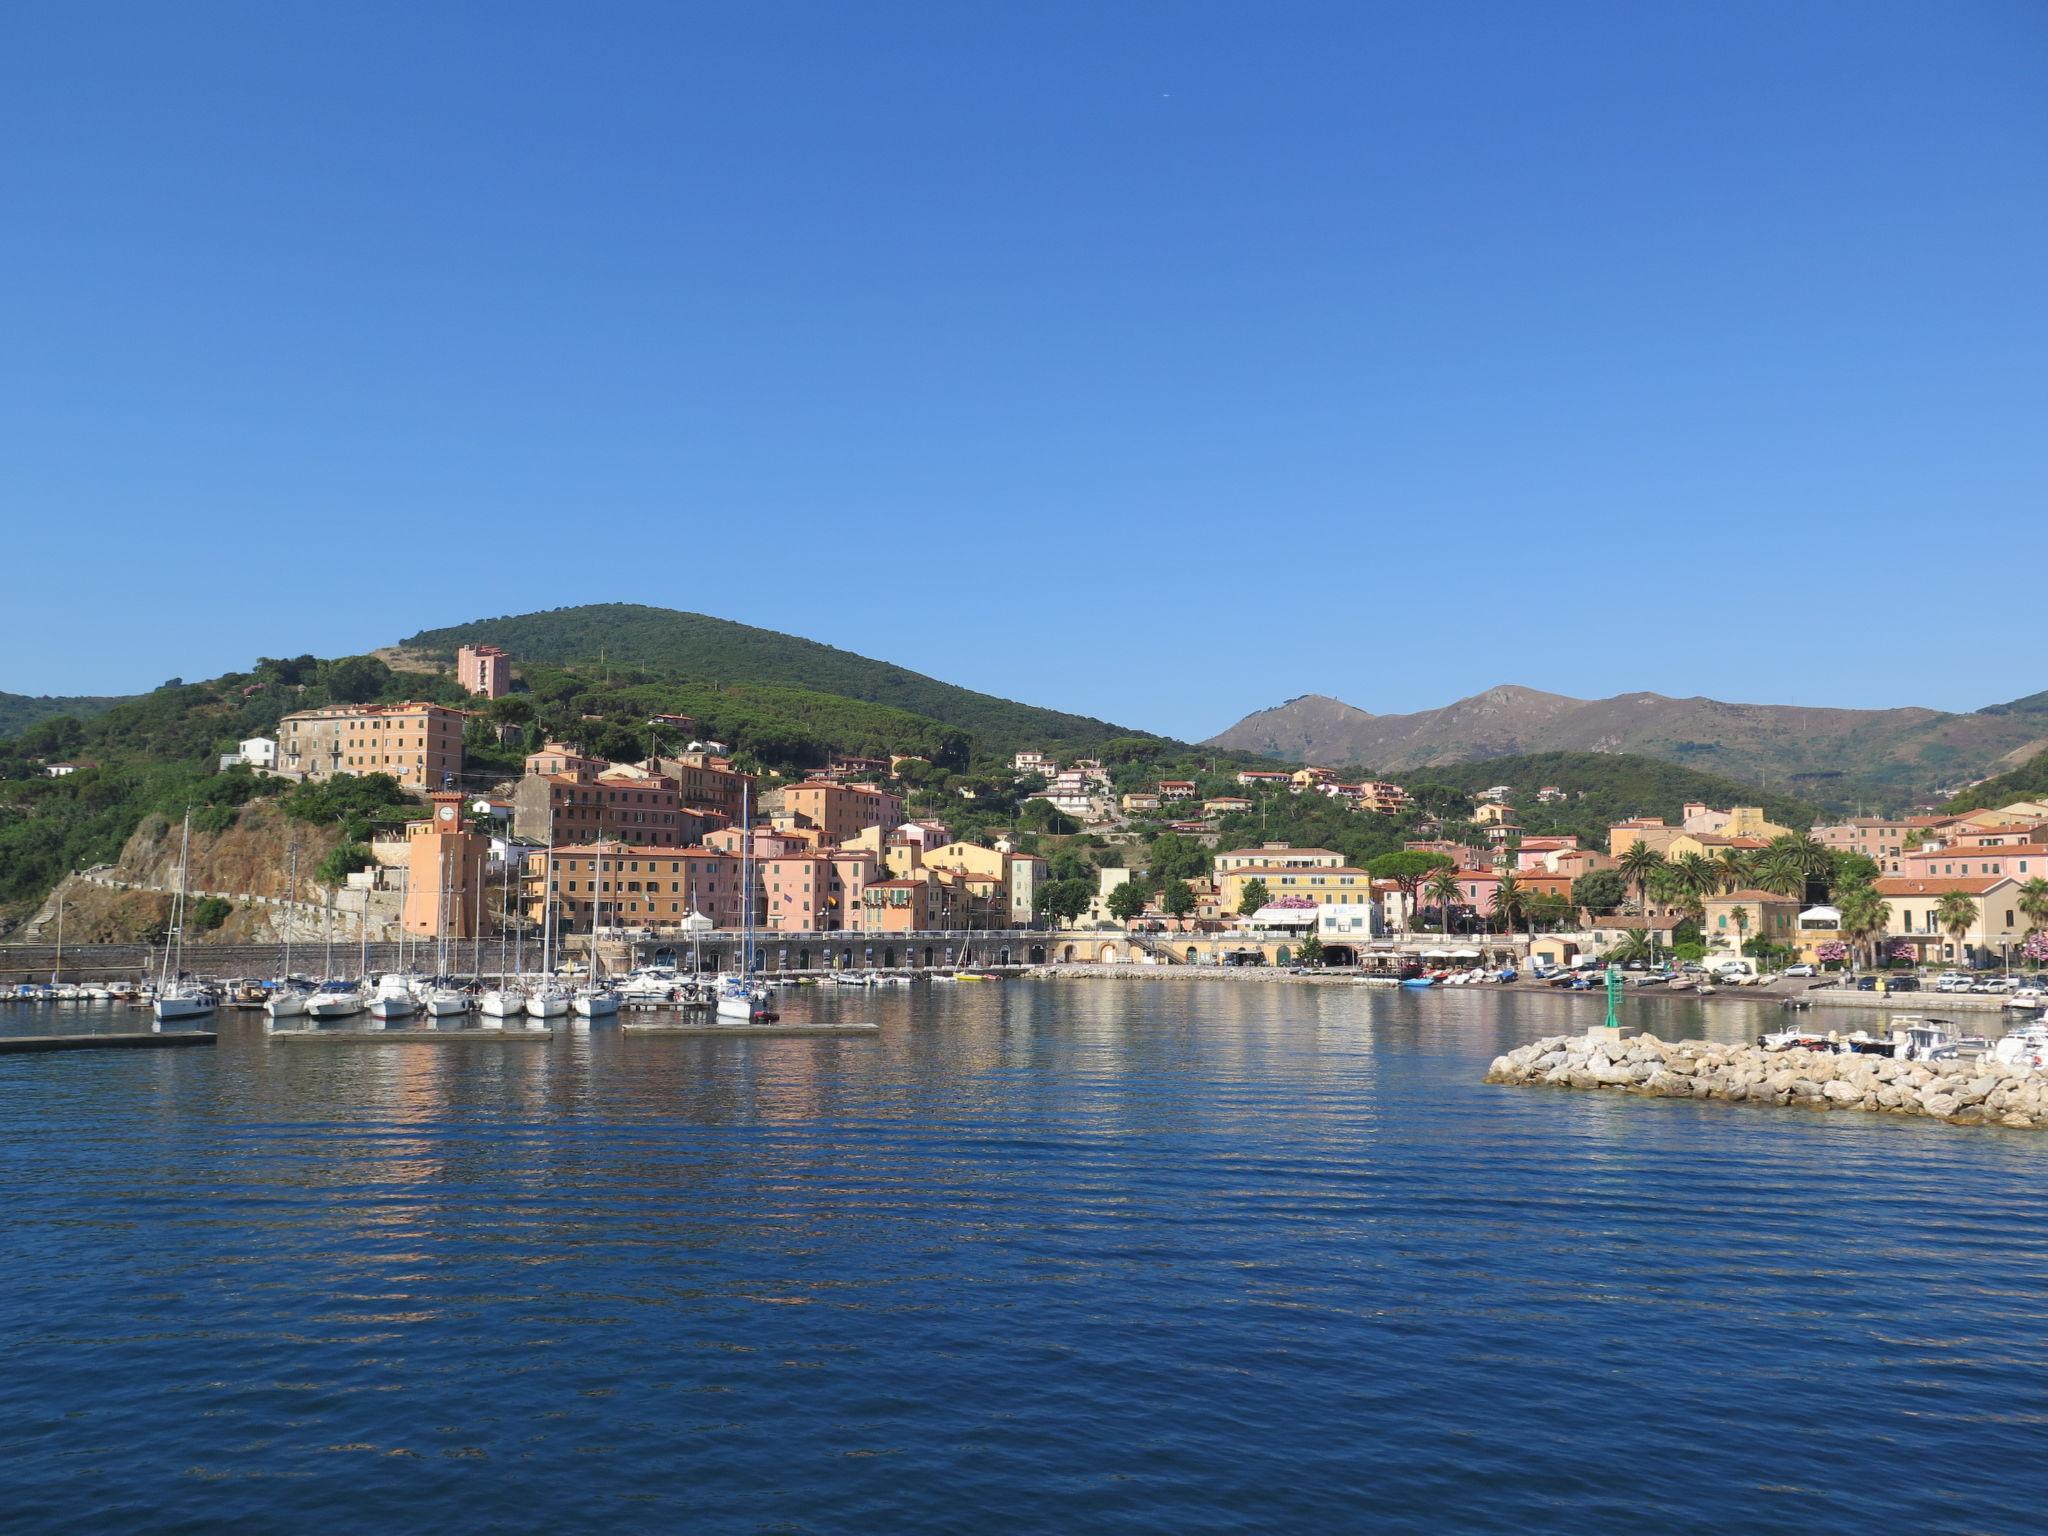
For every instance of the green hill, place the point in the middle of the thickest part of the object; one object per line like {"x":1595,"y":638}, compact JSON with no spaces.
{"x":2029,"y":781}
{"x":1606,"y":787}
{"x":695,"y":647}
{"x":19,"y":711}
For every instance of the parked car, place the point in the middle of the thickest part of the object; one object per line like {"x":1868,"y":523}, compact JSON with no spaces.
{"x":1866,"y":983}
{"x":1903,"y":984}
{"x":1799,"y":970}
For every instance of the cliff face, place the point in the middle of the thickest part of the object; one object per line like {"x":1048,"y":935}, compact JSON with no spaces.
{"x":131,"y":900}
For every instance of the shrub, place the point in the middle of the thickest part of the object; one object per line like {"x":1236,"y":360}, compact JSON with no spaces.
{"x":209,"y":912}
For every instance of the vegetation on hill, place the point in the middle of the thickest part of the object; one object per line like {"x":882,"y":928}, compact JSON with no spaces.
{"x":693,"y":647}
{"x":19,"y":711}
{"x":1606,"y":787}
{"x":2029,"y":781}
{"x":159,"y":753}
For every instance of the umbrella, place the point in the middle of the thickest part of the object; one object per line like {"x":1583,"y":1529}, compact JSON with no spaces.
{"x":1436,"y":954}
{"x":1464,"y":954}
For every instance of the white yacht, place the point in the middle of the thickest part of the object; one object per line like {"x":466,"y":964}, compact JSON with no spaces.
{"x":335,"y":1000}
{"x":506,"y":1002}
{"x":548,"y":1000}
{"x":392,"y":998}
{"x":287,"y":1000}
{"x":596,"y":1001}
{"x":436,"y":999}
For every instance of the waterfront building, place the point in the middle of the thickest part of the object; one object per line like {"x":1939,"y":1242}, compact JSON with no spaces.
{"x":621,"y":801}
{"x":1915,"y":907}
{"x":639,"y":888}
{"x":1733,"y":918}
{"x":444,"y":865}
{"x":484,"y":669}
{"x":1323,"y":882}
{"x":418,"y":744}
{"x":2020,"y":861}
{"x":814,"y":892}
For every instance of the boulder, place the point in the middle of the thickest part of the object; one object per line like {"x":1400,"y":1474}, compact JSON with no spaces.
{"x":1940,"y":1105}
{"x":1842,"y":1093}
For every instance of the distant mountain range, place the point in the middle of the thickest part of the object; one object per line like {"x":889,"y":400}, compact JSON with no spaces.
{"x":1835,"y":757}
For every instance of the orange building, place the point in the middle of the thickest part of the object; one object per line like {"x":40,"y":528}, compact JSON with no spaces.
{"x":639,"y":888}
{"x":417,"y":744}
{"x":815,"y":892}
{"x":484,"y":669}
{"x":839,"y":812}
{"x":898,"y":906}
{"x":621,"y":801}
{"x":444,"y":881}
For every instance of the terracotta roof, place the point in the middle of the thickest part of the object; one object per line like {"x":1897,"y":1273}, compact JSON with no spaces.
{"x":1753,"y":894}
{"x":1940,"y":885}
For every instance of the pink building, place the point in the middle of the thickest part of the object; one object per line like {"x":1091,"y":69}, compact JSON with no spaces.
{"x":484,"y":669}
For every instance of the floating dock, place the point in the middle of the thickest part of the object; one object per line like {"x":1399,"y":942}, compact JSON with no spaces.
{"x":427,"y":1036}
{"x":702,"y":1031}
{"x":33,"y":1044}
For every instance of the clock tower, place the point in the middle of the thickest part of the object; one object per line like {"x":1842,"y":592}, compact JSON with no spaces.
{"x":444,"y":871}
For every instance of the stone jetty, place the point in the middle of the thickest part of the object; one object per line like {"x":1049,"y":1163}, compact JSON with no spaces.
{"x":1963,"y":1092}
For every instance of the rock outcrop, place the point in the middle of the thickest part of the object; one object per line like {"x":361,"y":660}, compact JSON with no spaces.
{"x":1961,"y":1092}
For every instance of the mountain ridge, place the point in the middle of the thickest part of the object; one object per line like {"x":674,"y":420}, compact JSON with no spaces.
{"x":1838,"y":755}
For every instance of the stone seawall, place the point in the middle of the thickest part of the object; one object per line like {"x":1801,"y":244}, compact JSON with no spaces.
{"x":1965,"y":1092}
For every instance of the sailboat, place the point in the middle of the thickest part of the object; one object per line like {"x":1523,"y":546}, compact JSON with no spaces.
{"x":287,"y":996}
{"x":177,"y":998}
{"x":333,"y":999}
{"x":438,"y":997}
{"x":548,"y":999}
{"x":739,"y":995}
{"x":506,"y":1000}
{"x":597,"y":999}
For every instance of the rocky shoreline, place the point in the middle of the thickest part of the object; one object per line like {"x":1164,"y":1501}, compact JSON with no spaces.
{"x":1963,"y":1092}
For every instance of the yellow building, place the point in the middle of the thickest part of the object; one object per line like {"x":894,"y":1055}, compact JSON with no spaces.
{"x":1323,"y":882}
{"x":1734,"y":919}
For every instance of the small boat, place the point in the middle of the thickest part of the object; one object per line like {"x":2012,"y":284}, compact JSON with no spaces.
{"x":287,"y":999}
{"x":2024,"y":1047}
{"x":2025,"y":997}
{"x":1797,"y":1039}
{"x":549,"y":1000}
{"x":595,"y":1002}
{"x":1418,"y":982}
{"x":335,"y":1000}
{"x":502,"y":1003}
{"x":178,"y":999}
{"x":438,"y":1000}
{"x":392,"y":998}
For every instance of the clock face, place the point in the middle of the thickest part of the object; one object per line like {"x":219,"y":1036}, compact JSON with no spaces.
{"x":447,"y":813}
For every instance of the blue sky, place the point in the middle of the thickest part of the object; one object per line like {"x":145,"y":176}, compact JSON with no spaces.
{"x":1160,"y":361}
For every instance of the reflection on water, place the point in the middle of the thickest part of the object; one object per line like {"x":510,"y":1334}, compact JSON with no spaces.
{"x":1061,"y":1256}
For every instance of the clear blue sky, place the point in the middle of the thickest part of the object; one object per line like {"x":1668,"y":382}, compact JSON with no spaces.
{"x":1157,"y":360}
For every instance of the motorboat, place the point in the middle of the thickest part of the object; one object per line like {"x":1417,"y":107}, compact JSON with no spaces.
{"x":1799,"y":1039}
{"x":438,"y":999}
{"x":392,"y":998}
{"x":334,"y":1000}
{"x":2024,"y":998}
{"x":2026,"y":1046}
{"x":651,"y":987}
{"x":287,"y":999}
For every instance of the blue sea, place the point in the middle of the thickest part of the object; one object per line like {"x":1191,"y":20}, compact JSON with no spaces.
{"x":1068,"y":1256}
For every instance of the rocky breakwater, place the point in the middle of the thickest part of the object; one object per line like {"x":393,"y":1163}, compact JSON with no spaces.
{"x":1960,"y":1092}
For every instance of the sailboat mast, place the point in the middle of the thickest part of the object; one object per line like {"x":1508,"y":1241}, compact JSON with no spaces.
{"x":291,"y":908}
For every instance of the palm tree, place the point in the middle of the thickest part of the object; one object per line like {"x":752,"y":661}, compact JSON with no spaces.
{"x":1443,"y":889}
{"x":1865,"y":915}
{"x":1696,"y":874}
{"x":1638,"y":866}
{"x":1956,"y":915}
{"x":1733,"y":866}
{"x":1741,"y":916}
{"x":2033,"y":904}
{"x":1508,"y":897}
{"x":1781,"y":872}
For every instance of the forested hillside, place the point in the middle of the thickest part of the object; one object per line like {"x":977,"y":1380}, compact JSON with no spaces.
{"x":19,"y":711}
{"x":695,"y":647}
{"x":2027,"y":782}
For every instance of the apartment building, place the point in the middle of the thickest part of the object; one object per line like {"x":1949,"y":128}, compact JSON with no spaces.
{"x":484,"y":669}
{"x":638,"y":887}
{"x":837,"y":812}
{"x":417,"y":744}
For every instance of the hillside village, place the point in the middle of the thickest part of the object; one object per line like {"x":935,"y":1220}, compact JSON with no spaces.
{"x":464,"y":816}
